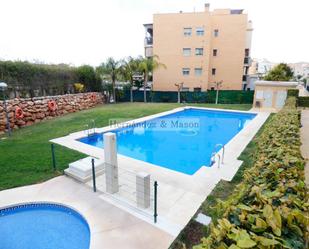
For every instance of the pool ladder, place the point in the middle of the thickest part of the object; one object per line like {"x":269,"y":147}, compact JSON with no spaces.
{"x":214,"y":154}
{"x":90,"y":128}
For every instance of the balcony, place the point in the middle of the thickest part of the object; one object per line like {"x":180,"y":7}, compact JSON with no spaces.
{"x":148,"y":41}
{"x":148,"y":51}
{"x":247,"y":61}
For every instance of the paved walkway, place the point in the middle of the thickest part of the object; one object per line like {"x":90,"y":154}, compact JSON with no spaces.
{"x":304,"y":133}
{"x":110,"y":226}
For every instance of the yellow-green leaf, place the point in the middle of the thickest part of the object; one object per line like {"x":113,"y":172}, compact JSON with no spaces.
{"x":246,"y":243}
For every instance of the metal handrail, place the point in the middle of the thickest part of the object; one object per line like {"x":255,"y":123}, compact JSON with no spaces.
{"x":223,"y":148}
{"x":213,"y":160}
{"x":90,"y":126}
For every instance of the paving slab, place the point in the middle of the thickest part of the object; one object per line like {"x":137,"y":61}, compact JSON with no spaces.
{"x":110,"y":226}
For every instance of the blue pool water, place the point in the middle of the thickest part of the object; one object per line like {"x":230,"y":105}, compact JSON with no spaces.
{"x":43,"y":226}
{"x":182,"y":141}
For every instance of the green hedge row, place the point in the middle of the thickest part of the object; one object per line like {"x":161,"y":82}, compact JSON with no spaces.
{"x":269,"y":209}
{"x":293,"y":93}
{"x":303,"y":101}
{"x":225,"y":96}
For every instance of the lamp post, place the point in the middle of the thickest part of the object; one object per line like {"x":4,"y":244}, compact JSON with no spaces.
{"x":3,"y":87}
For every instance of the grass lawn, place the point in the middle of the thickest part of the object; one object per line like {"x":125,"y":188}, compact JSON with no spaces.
{"x":25,"y":157}
{"x":194,"y":231}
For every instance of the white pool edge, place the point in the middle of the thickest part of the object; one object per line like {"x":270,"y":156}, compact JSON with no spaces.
{"x":199,"y":184}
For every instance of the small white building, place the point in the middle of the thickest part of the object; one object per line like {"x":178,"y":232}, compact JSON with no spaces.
{"x":271,"y":95}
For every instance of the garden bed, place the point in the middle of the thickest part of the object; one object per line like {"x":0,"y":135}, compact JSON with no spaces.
{"x":269,"y":208}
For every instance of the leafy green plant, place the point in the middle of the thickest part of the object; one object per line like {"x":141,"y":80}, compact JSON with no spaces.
{"x":269,"y":209}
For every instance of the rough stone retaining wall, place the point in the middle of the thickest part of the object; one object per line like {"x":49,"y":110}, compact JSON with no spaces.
{"x":36,"y":109}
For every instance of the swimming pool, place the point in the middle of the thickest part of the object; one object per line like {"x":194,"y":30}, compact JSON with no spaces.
{"x":182,"y":141}
{"x":43,"y":226}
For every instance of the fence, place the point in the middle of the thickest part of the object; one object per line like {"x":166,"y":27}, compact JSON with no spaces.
{"x":225,"y":96}
{"x":136,"y":189}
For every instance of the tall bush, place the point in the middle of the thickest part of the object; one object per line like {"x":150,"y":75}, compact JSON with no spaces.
{"x":25,"y":78}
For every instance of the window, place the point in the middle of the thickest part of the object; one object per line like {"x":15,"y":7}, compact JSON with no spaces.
{"x":199,"y":51}
{"x":185,"y":89}
{"x":247,"y":52}
{"x":198,"y":71}
{"x":213,"y":71}
{"x":187,"y":31}
{"x":186,"y":51}
{"x":197,"y":89}
{"x":200,"y":31}
{"x":215,"y":52}
{"x":212,"y":88}
{"x":216,"y":32}
{"x":186,"y":71}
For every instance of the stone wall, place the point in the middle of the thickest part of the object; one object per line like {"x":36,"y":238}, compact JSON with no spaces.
{"x":37,"y":109}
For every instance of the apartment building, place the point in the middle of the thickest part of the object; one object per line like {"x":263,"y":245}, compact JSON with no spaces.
{"x":200,"y":48}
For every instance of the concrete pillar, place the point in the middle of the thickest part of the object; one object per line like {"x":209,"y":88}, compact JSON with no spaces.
{"x":111,"y":164}
{"x":143,"y":190}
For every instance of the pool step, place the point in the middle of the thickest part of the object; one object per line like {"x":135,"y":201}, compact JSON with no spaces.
{"x":81,"y":170}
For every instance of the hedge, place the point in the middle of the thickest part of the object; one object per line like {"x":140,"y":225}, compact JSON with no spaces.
{"x":225,"y":96}
{"x":269,"y":209}
{"x":293,"y":93}
{"x":303,"y":101}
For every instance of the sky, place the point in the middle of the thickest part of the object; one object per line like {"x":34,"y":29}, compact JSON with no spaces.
{"x":87,"y":32}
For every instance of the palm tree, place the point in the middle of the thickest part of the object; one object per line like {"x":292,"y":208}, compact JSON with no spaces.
{"x":111,"y":69}
{"x":130,"y":67}
{"x":147,"y":66}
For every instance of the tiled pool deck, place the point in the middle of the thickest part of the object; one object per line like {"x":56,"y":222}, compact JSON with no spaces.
{"x":110,"y":226}
{"x":114,"y":225}
{"x":180,"y":195}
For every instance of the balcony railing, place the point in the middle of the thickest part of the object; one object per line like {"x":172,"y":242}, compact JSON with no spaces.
{"x":148,"y":41}
{"x":246,"y":60}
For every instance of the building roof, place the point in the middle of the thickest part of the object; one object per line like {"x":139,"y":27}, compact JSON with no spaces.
{"x":276,"y":83}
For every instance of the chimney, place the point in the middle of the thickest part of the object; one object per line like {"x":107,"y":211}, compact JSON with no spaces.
{"x":207,"y":5}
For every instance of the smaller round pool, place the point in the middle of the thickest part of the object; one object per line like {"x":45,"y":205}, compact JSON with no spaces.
{"x":43,"y":226}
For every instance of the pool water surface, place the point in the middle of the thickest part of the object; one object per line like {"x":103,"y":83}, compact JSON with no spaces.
{"x":43,"y":226}
{"x":183,"y":141}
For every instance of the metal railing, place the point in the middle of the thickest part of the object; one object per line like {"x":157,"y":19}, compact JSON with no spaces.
{"x":127,"y":189}
{"x":90,"y":128}
{"x":214,"y":154}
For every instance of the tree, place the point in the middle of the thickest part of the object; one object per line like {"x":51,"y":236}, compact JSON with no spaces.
{"x":110,"y":70}
{"x":179,"y":87}
{"x":129,"y":68}
{"x":147,"y":66}
{"x":87,"y":75}
{"x":281,"y":72}
{"x":218,"y":85}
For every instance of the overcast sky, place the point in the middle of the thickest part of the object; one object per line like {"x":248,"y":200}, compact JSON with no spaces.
{"x":87,"y":32}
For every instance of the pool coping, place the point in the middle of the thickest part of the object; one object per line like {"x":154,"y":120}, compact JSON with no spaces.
{"x":71,"y":141}
{"x":194,"y":188}
{"x":52,"y":203}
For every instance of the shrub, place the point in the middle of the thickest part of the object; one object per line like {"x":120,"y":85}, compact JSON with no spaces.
{"x":293,"y":93}
{"x":303,"y":101}
{"x":79,"y":87}
{"x":269,"y":209}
